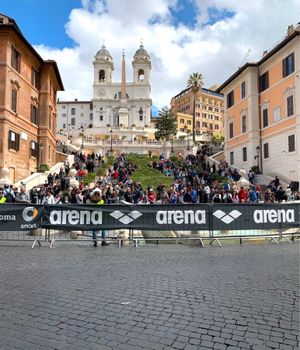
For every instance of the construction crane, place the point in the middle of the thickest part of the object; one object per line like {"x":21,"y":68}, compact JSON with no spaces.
{"x":245,"y":59}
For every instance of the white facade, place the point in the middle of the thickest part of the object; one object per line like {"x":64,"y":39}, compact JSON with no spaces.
{"x":74,"y":115}
{"x":107,"y":109}
{"x":107,"y":95}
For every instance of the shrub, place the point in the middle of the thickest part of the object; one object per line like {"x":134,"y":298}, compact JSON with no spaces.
{"x":41,"y":168}
{"x":88,"y":178}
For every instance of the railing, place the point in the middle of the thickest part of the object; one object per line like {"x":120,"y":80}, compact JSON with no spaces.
{"x":156,"y":222}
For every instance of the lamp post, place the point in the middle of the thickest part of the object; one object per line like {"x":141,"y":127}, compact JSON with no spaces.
{"x":40,"y":150}
{"x":172,"y":146}
{"x":111,"y":141}
{"x":188,"y":145}
{"x":257,"y":157}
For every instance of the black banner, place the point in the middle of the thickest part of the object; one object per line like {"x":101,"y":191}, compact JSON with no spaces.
{"x":198,"y":217}
{"x":20,"y":217}
{"x":147,"y":217}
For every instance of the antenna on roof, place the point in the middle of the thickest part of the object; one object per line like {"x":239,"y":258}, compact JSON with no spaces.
{"x":245,"y":59}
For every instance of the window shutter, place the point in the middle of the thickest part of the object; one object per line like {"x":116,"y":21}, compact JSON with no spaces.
{"x":283,"y":68}
{"x":17,"y":142}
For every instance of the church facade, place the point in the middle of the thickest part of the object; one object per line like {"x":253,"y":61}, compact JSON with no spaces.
{"x":115,"y":105}
{"x":124,"y":104}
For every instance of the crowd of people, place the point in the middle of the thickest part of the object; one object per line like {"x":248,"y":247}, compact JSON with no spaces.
{"x":195,"y":180}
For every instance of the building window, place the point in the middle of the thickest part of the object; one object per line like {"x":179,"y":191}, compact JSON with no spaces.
{"x":290,"y":105}
{"x":291,"y":143}
{"x":198,"y":124}
{"x":64,"y":126}
{"x":276,"y":114}
{"x":265,"y":118}
{"x":204,"y":125}
{"x":288,"y":65}
{"x":35,"y":78}
{"x":13,"y":140}
{"x":73,"y":122}
{"x":181,"y":121}
{"x":210,"y":126}
{"x":33,"y":149}
{"x":14,"y":98}
{"x":15,"y":59}
{"x":244,"y":124}
{"x":216,"y":117}
{"x":231,"y":130}
{"x":101,"y":118}
{"x":91,"y":106}
{"x":34,"y":116}
{"x":141,"y":75}
{"x":264,"y":81}
{"x":231,"y":158}
{"x":73,"y":111}
{"x":230,"y":99}
{"x":81,"y":114}
{"x":216,"y":127}
{"x":91,"y":116}
{"x":204,"y":115}
{"x":189,"y":122}
{"x":244,"y":154}
{"x":63,"y":107}
{"x":101,"y":75}
{"x":266,"y":150}
{"x":64,"y":115}
{"x":243,"y":90}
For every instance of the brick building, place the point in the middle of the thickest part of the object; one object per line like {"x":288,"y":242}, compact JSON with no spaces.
{"x":262,"y":115}
{"x":28,"y":87}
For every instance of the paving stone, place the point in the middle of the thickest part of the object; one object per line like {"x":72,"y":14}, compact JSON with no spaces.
{"x":70,"y":297}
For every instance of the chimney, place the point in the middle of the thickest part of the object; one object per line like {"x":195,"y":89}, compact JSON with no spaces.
{"x":264,"y":53}
{"x":76,"y":99}
{"x":290,"y":30}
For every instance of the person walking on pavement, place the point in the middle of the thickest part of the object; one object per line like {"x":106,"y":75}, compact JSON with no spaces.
{"x":97,"y":199}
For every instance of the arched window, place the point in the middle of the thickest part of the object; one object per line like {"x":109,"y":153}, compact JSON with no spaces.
{"x":141,"y":75}
{"x":101,"y":75}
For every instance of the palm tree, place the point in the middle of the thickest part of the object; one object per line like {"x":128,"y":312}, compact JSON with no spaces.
{"x":195,"y":82}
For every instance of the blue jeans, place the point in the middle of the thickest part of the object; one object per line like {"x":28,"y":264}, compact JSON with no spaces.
{"x":103,"y":235}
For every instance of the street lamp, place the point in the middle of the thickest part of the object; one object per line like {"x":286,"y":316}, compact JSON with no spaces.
{"x":188,"y":145}
{"x":41,"y":148}
{"x":111,"y":141}
{"x":172,"y":146}
{"x":257,"y":156}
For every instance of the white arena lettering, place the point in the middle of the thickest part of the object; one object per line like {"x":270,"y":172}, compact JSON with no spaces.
{"x":74,"y":217}
{"x":272,"y":216}
{"x":179,"y":217}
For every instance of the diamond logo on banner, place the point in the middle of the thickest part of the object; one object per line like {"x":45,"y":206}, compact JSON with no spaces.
{"x":227,"y":218}
{"x":126,"y":218}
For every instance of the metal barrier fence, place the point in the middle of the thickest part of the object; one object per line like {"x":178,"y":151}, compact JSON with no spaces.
{"x":150,"y":223}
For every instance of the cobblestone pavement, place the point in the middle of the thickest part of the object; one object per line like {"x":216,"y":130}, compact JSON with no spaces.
{"x":152,"y":297}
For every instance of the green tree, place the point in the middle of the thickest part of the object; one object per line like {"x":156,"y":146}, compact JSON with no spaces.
{"x":195,"y":82}
{"x":166,"y":125}
{"x":217,"y":139}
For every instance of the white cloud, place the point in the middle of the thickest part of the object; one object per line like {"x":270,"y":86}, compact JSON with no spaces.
{"x":215,"y":50}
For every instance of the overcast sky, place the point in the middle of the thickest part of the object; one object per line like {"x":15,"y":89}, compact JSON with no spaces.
{"x":182,"y":36}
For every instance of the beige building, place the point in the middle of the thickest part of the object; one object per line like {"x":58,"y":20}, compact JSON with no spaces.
{"x":262,"y":115}
{"x":209,"y":112}
{"x":27,"y":104}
